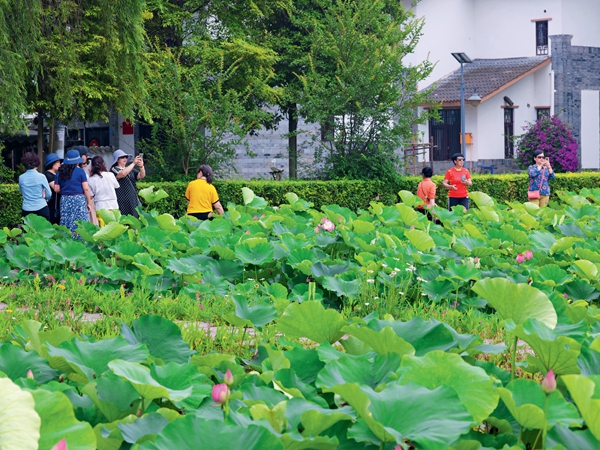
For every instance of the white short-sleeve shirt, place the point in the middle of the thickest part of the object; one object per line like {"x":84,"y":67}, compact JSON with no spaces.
{"x":103,"y":190}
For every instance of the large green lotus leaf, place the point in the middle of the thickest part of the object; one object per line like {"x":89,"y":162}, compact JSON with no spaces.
{"x":38,"y":225}
{"x":37,"y":340}
{"x":180,"y":267}
{"x":149,"y":424}
{"x":72,"y":251}
{"x":517,"y":236}
{"x":118,"y":392}
{"x":586,"y":253}
{"x":249,"y":316}
{"x":305,"y":363}
{"x":481,"y":199}
{"x":584,"y":392}
{"x":144,"y":381}
{"x":196,"y":433}
{"x":432,"y":419}
{"x":411,"y":200}
{"x":110,"y":232}
{"x":383,"y":341}
{"x":58,"y":422}
{"x":167,"y":222}
{"x":16,"y":362}
{"x":19,"y":421}
{"x":420,"y":240}
{"x":518,"y":302}
{"x":363,"y":370}
{"x":311,"y":320}
{"x":553,"y":275}
{"x":275,"y":416}
{"x":161,"y":336}
{"x":231,"y":270}
{"x":473,"y":385}
{"x":126,"y":250}
{"x":213,"y":228}
{"x":109,"y":215}
{"x":22,"y":257}
{"x":571,"y":439}
{"x":438,"y":290}
{"x":111,"y":410}
{"x":341,"y":287}
{"x":525,"y":401}
{"x":315,"y":419}
{"x":563,"y":244}
{"x":296,"y":441}
{"x":147,"y":265}
{"x":461,"y":271}
{"x":542,"y":240}
{"x":586,"y":269}
{"x":259,"y":254}
{"x":150,"y":196}
{"x":552,"y":351}
{"x":89,"y":360}
{"x":579,"y":289}
{"x":361,"y":226}
{"x":288,"y":381}
{"x":319,"y":269}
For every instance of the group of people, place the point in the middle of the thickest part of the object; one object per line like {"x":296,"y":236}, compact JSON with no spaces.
{"x":75,"y":188}
{"x":457,"y":179}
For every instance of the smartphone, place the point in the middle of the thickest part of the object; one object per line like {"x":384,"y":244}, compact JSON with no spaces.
{"x":141,"y":155}
{"x":547,"y":158}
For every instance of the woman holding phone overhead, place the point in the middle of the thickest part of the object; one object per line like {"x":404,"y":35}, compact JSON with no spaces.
{"x":540,"y":174}
{"x":128,"y":175}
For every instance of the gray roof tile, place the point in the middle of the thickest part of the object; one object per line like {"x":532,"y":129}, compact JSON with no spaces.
{"x":487,"y":75}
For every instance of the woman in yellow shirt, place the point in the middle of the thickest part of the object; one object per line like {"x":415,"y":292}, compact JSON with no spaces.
{"x":202,"y":195}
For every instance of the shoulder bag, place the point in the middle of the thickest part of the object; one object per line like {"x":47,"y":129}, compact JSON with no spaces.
{"x":534,"y":195}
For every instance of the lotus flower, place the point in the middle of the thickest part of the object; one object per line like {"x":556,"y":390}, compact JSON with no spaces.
{"x":520,"y":258}
{"x":30,"y":374}
{"x":61,"y":445}
{"x":228,"y":378}
{"x":220,"y":393}
{"x":549,"y":382}
{"x":528,"y":255}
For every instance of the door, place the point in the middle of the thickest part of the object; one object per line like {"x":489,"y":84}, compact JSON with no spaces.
{"x":509,"y":131}
{"x":446,"y":134}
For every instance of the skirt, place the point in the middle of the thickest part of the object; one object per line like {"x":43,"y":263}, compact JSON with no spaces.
{"x":72,"y":209}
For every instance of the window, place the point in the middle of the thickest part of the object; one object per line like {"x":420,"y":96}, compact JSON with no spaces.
{"x":542,"y":112}
{"x":446,"y":134}
{"x":541,"y":37}
{"x":509,"y":131}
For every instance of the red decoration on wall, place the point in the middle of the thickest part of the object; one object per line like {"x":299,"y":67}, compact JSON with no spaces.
{"x":127,"y":127}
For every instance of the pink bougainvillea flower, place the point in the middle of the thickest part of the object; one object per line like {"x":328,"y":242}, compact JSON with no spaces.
{"x":61,"y":445}
{"x":228,"y":378}
{"x":549,"y":382}
{"x":528,"y":255}
{"x":520,"y":258}
{"x":220,"y":393}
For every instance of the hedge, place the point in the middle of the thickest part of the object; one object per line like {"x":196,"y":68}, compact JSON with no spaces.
{"x":353,"y":194}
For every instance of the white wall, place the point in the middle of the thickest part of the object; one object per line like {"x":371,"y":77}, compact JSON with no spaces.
{"x":126,"y":141}
{"x":580,"y":19}
{"x":590,"y":129}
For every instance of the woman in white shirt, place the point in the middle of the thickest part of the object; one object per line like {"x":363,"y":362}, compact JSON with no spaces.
{"x":103,"y":184}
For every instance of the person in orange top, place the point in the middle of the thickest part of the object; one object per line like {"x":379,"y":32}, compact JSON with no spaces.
{"x":426,"y":192}
{"x":457,"y":179}
{"x":202,"y":195}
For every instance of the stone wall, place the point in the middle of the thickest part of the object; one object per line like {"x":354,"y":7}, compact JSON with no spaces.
{"x":576,"y":68}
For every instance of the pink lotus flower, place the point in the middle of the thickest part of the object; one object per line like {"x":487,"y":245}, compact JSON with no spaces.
{"x":549,"y":382}
{"x":220,"y":393}
{"x":61,"y":445}
{"x":476,"y":259}
{"x":328,"y":225}
{"x":317,"y":229}
{"x":528,"y":255}
{"x":228,"y":378}
{"x":520,"y":258}
{"x":30,"y":374}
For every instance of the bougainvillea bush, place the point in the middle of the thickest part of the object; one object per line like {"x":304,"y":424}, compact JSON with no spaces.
{"x":555,"y":138}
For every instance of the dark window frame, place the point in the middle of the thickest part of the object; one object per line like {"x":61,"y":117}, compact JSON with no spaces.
{"x":509,"y":132}
{"x":542,"y":112}
{"x":541,"y":37}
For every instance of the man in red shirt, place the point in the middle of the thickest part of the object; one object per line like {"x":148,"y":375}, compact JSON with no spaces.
{"x":457,"y":179}
{"x":426,"y":192}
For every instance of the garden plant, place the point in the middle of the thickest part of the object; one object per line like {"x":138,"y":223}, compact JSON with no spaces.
{"x":313,"y":320}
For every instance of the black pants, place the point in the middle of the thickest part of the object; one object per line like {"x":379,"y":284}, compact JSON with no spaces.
{"x":44,"y":212}
{"x":201,"y":216}
{"x":426,"y":212}
{"x":458,"y":201}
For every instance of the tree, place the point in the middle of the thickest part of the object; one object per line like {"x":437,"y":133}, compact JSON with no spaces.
{"x":555,"y":139}
{"x":358,"y":86}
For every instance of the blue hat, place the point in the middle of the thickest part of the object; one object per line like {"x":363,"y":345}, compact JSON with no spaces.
{"x":82,"y":149}
{"x":73,"y":157}
{"x":51,"y":159}
{"x":119,"y":154}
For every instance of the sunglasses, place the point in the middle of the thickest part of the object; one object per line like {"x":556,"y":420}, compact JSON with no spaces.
{"x":460,"y":159}
{"x":540,"y":157}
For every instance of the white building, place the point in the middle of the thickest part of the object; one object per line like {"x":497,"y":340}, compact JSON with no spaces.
{"x":530,"y":57}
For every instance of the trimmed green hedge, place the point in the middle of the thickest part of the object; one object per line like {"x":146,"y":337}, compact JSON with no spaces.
{"x":353,"y":194}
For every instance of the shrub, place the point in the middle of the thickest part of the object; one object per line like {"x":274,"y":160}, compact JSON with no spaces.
{"x":555,"y":139}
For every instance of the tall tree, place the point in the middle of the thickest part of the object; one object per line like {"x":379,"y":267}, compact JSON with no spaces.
{"x":369,"y":99}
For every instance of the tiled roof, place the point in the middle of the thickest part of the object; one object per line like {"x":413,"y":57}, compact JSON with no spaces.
{"x":487,"y":75}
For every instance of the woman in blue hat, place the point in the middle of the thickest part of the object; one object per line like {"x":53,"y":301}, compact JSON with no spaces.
{"x":51,"y":168}
{"x":34,"y":188}
{"x":76,"y":200}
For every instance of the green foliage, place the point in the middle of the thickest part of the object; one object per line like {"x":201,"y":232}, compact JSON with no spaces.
{"x":358,"y":87}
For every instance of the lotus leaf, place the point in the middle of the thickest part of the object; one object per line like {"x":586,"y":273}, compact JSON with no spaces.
{"x":525,"y":401}
{"x":147,"y":265}
{"x":438,"y":290}
{"x":420,"y":240}
{"x":579,"y":439}
{"x":553,"y":275}
{"x":110,"y":232}
{"x":383,"y":341}
{"x":364,"y":370}
{"x":150,"y":196}
{"x":518,"y":302}
{"x":16,"y":362}
{"x":275,"y":416}
{"x":584,"y":392}
{"x":311,"y":320}
{"x":149,"y":424}
{"x":248,"y":316}
{"x":127,"y":250}
{"x":19,"y":421}
{"x":258,"y":254}
{"x":315,"y":419}
{"x":341,"y":287}
{"x":35,"y":224}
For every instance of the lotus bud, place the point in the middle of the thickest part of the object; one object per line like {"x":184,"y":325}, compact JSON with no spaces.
{"x":30,"y":374}
{"x":549,"y":382}
{"x":220,"y":393}
{"x":528,"y":255}
{"x":228,"y":378}
{"x":61,"y":445}
{"x":520,"y":258}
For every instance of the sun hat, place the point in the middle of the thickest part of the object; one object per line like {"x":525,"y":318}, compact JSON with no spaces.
{"x":51,"y":159}
{"x":119,"y":154}
{"x":82,"y":149}
{"x":73,"y":157}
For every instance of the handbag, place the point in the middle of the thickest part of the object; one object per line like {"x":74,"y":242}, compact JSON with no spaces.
{"x":534,"y":195}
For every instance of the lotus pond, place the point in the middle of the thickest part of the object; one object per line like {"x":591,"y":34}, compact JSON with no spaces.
{"x":320,"y":343}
